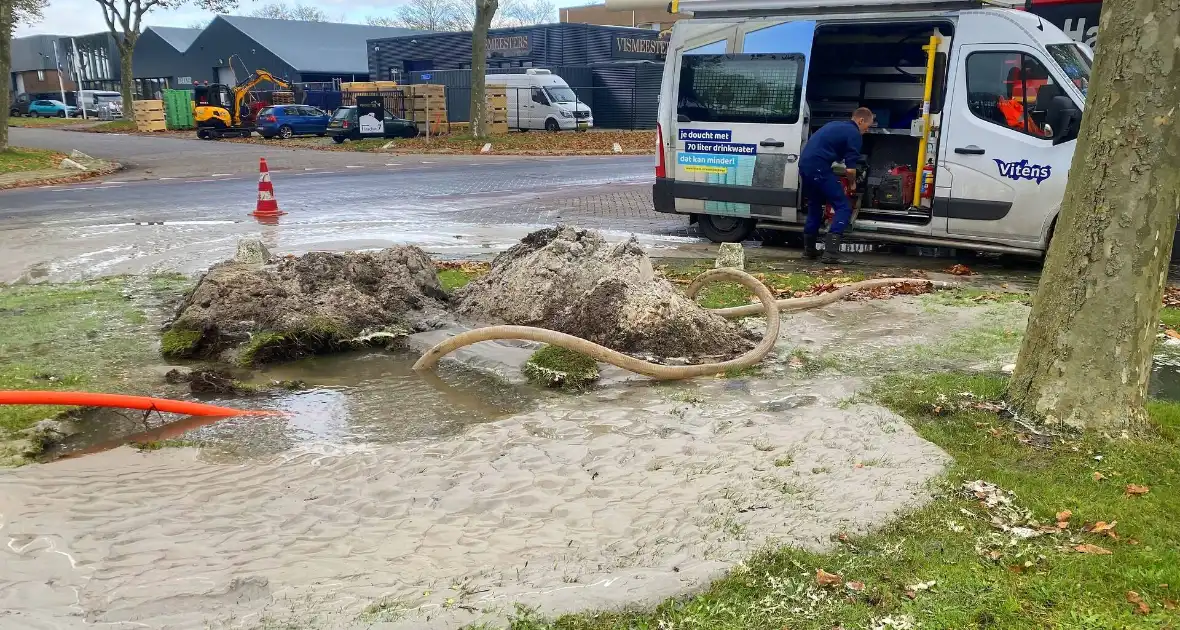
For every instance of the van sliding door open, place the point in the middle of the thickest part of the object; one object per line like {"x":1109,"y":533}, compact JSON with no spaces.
{"x":739,"y":121}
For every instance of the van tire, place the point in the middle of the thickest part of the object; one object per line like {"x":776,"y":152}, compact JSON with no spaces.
{"x":14,"y":112}
{"x":720,"y":229}
{"x":551,"y":124}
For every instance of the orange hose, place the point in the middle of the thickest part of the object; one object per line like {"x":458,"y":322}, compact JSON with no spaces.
{"x":143,"y":403}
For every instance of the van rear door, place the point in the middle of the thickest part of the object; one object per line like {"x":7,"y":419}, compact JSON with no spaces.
{"x":740,"y":120}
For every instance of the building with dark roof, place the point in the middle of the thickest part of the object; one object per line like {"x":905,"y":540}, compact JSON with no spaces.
{"x":227,"y":50}
{"x":232,"y":46}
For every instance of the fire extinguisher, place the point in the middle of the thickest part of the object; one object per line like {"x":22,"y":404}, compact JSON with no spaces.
{"x":928,"y":181}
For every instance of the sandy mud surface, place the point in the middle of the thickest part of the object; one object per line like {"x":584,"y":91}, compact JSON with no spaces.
{"x":626,"y":495}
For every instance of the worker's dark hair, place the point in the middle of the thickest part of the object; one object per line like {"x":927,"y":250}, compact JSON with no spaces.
{"x":863,"y":113}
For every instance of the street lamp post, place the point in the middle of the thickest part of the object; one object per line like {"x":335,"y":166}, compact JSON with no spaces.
{"x":60,"y":86}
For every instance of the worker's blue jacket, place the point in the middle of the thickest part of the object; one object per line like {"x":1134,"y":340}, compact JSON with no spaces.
{"x":835,"y":141}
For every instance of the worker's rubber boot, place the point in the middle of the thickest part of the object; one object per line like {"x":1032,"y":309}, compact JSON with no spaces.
{"x":810,"y":251}
{"x":832,"y":250}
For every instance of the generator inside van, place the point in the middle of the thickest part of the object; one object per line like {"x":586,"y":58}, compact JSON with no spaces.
{"x":882,"y":67}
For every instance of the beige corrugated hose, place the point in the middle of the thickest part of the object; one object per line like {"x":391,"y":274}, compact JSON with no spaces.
{"x":603,"y":354}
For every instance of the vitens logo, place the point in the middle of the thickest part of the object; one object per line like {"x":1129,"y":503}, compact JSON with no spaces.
{"x":1024,"y":170}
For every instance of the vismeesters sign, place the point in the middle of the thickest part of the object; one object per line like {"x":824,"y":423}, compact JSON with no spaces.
{"x":510,"y":46}
{"x":639,"y":48}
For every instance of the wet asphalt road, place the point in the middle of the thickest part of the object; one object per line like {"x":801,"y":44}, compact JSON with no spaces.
{"x":454,"y":206}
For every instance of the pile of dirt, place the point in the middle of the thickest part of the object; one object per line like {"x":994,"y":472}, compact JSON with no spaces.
{"x":288,"y":307}
{"x":574,"y":282}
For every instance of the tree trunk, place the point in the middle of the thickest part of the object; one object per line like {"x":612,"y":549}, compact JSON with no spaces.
{"x":485,"y":10}
{"x":1086,"y":356}
{"x":126,"y":76}
{"x":6,"y":26}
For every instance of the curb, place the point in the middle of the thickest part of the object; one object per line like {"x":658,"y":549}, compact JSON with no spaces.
{"x":112,"y":167}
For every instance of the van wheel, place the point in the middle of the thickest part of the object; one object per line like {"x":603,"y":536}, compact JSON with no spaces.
{"x":338,"y":139}
{"x":720,"y":229}
{"x":551,"y":125}
{"x":15,"y":113}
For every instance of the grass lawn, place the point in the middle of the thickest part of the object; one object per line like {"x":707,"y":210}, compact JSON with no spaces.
{"x":1109,"y":555}
{"x":114,"y":126}
{"x":43,"y":122}
{"x":87,"y":336}
{"x":16,"y":160}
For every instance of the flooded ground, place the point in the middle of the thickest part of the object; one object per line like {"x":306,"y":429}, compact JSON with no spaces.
{"x":373,"y":519}
{"x":350,"y":401}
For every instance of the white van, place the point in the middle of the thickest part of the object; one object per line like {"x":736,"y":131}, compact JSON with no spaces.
{"x":539,"y":99}
{"x":96,"y":100}
{"x":972,"y":144}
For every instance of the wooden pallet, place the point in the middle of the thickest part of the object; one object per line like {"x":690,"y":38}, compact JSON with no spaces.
{"x":498,"y":127}
{"x":154,"y":125}
{"x":359,"y":86}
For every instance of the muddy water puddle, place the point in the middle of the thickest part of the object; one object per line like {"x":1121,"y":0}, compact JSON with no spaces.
{"x":351,"y":401}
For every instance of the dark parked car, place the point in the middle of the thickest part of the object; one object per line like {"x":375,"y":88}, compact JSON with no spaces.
{"x":344,"y":126}
{"x":286,"y":121}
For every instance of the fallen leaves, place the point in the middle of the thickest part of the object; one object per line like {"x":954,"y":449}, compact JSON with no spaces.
{"x":1141,"y":606}
{"x":1171,"y":333}
{"x":1135,"y":490}
{"x":1098,"y":476}
{"x":1169,"y":604}
{"x":1063,"y":519}
{"x":1092,"y":549}
{"x":1100,"y":527}
{"x":960,"y":270}
{"x":1172,"y":296}
{"x":823,"y":578}
{"x":855,"y":586}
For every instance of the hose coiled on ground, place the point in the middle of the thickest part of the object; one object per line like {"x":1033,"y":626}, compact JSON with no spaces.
{"x":767,"y":304}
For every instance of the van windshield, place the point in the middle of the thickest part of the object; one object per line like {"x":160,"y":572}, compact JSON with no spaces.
{"x":561,"y":95}
{"x":1073,"y":62}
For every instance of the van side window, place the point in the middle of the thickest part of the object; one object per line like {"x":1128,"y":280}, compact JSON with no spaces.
{"x":539,"y":96}
{"x":1005,"y":88}
{"x":746,"y":88}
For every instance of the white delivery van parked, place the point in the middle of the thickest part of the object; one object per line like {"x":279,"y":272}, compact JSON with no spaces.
{"x":972,"y":144}
{"x":539,"y":99}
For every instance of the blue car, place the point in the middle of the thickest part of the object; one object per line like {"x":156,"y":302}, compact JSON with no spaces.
{"x":50,"y":109}
{"x":285,"y":121}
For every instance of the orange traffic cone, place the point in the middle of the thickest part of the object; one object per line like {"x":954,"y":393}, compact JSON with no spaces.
{"x":267,"y":206}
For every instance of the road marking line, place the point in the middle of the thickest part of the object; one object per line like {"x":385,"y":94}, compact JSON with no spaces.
{"x":221,"y":175}
{"x":311,"y":168}
{"x":164,"y":179}
{"x":427,"y":162}
{"x":351,"y":166}
{"x":393,"y":164}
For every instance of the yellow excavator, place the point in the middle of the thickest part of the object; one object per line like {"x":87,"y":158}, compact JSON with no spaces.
{"x":220,"y":110}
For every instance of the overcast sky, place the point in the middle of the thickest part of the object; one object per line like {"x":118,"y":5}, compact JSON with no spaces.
{"x":79,"y":17}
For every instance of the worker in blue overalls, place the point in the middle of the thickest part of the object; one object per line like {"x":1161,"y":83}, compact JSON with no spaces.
{"x":835,"y":141}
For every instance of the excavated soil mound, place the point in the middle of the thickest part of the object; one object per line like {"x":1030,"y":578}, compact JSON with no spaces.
{"x":288,"y":307}
{"x":574,"y":282}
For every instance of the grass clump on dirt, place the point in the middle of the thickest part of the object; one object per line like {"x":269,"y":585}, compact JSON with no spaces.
{"x":18,"y":160}
{"x":87,"y":336}
{"x":1170,"y":317}
{"x":454,"y":274}
{"x":554,"y":366}
{"x":180,"y":343}
{"x":1030,"y":529}
{"x":319,"y":336}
